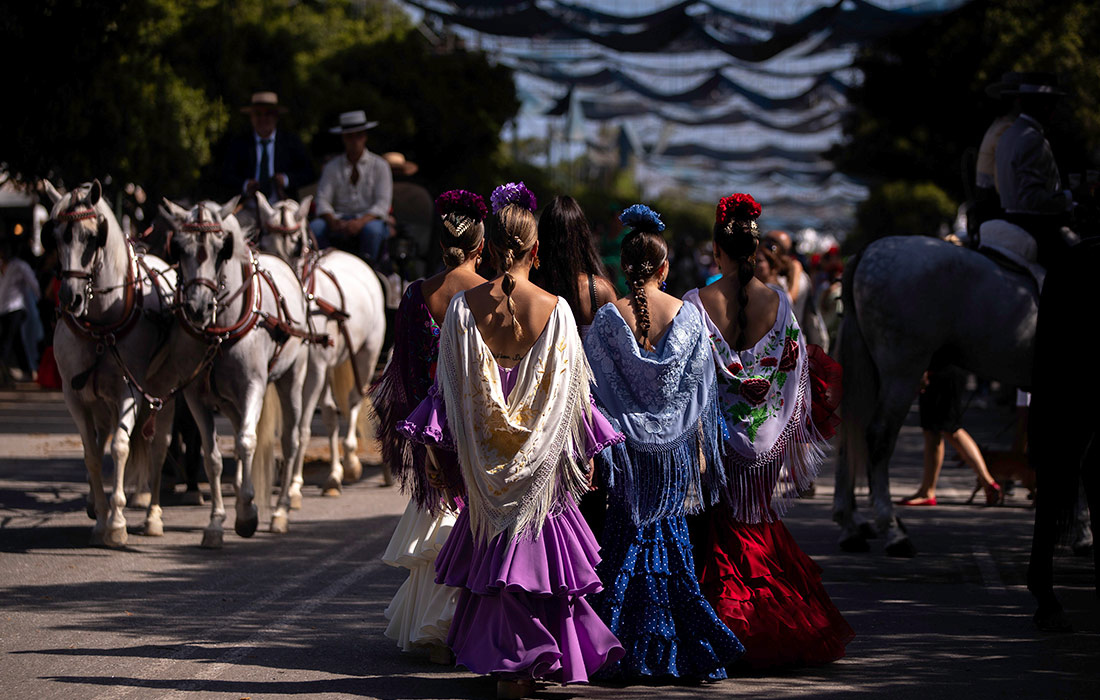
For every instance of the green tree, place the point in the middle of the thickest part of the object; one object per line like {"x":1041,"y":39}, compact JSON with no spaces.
{"x":922,"y":104}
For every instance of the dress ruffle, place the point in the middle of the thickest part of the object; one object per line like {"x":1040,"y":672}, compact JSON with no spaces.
{"x":421,"y":610}
{"x":522,"y":611}
{"x":769,"y":593}
{"x":653,"y":603}
{"x":560,"y":561}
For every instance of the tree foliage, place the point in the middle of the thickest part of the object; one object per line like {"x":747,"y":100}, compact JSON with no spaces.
{"x":922,"y":103}
{"x":148,"y":90}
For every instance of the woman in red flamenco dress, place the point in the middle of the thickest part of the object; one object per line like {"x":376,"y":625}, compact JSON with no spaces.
{"x":778,"y":397}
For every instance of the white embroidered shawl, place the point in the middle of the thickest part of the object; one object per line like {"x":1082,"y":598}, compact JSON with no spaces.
{"x":518,"y":454}
{"x":765,"y":401}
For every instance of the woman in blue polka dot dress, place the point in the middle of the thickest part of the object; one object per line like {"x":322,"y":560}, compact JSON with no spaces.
{"x":655,"y":382}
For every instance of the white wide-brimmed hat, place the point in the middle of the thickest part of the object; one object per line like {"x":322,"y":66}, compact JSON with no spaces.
{"x":264,"y":99}
{"x":351,"y":122}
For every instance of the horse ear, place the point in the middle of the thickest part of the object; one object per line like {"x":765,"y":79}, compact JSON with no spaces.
{"x":95,"y":193}
{"x":266,"y":211}
{"x":303,"y":208}
{"x":51,"y":192}
{"x":230,"y":207}
{"x":172,"y":211}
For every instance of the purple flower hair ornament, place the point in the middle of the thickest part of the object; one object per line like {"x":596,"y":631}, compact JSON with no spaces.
{"x":463,"y":203}
{"x":512,"y":193}
{"x":640,"y":217}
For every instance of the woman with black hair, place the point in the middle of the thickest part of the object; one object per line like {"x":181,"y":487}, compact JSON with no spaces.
{"x":571,"y":266}
{"x":655,"y":382}
{"x":776,"y":396}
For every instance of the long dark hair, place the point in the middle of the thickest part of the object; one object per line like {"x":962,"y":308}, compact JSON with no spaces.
{"x":736,"y":233}
{"x":566,"y":251}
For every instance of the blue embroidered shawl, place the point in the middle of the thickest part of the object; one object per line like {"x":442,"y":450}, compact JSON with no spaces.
{"x":665,"y":402}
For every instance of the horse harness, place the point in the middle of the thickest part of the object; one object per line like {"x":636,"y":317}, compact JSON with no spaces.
{"x":329,"y":310}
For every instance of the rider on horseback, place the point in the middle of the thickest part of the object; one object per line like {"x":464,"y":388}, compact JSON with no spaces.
{"x":1027,"y":177}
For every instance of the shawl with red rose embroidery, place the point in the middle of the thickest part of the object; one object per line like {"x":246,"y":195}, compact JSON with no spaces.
{"x":765,"y":401}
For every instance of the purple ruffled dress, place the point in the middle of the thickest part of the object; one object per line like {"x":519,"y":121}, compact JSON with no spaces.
{"x":522,"y":611}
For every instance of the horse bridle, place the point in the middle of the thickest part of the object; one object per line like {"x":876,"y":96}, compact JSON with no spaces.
{"x":131,"y":283}
{"x":248,"y":283}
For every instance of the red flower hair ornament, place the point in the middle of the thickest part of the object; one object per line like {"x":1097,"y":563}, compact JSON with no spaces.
{"x":736,"y":207}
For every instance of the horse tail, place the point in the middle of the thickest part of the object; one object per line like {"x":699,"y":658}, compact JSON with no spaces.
{"x":857,"y":401}
{"x":263,"y":462}
{"x":342,"y":384}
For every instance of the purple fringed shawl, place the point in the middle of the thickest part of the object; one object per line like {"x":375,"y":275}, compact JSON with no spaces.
{"x":403,"y":385}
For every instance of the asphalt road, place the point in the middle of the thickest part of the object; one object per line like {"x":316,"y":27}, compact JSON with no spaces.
{"x":300,"y":615}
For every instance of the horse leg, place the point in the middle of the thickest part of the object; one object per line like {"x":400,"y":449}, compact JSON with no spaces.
{"x":115,"y":534}
{"x":248,"y":518}
{"x":93,"y":462}
{"x":296,"y":433}
{"x":853,"y":538}
{"x":213,"y":534}
{"x":157,"y":452}
{"x":882,"y":436}
{"x":331,"y":417}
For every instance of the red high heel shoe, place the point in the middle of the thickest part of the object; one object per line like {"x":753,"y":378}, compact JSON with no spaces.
{"x":994,"y":496}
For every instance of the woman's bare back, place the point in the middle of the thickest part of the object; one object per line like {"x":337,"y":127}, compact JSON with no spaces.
{"x":489,"y":306}
{"x":720,"y":301}
{"x":662,"y":309}
{"x":440,"y":289}
{"x":605,"y":292}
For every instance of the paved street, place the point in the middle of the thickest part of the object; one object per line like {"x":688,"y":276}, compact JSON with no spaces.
{"x":301,"y":614}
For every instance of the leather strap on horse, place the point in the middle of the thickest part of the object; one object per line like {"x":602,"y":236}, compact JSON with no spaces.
{"x":329,"y":310}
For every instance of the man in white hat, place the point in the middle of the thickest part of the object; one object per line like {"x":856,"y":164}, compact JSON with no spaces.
{"x":266,"y":160}
{"x":354,"y":194}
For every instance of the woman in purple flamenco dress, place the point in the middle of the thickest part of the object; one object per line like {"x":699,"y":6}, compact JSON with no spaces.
{"x":421,"y":611}
{"x":512,"y":399}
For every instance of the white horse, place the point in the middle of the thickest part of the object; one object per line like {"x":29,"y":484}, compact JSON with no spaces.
{"x":346,"y":301}
{"x":114,"y":317}
{"x":244,"y":315}
{"x":910,"y":301}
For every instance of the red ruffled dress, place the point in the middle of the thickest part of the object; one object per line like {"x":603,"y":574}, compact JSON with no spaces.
{"x":761,"y":584}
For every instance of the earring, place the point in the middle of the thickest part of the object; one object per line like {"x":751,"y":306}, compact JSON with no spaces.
{"x":664,"y":285}
{"x":477,"y":261}
{"x":536,"y":262}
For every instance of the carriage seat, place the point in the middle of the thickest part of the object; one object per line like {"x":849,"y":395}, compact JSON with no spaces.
{"x":1005,"y":242}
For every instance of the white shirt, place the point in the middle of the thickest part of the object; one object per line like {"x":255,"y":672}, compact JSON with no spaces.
{"x":372,"y":194}
{"x":16,"y":283}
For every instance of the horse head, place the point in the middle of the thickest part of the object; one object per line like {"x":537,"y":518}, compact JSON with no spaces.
{"x":207,"y":236}
{"x":285,"y":223}
{"x":81,"y":232}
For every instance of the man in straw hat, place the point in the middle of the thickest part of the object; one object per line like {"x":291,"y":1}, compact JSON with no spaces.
{"x":266,"y":160}
{"x":1028,"y":181}
{"x":354,"y":194}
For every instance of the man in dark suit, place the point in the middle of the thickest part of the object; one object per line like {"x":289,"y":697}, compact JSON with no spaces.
{"x":266,"y":160}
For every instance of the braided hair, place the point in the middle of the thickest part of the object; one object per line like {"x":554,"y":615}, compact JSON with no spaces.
{"x":642,"y":253}
{"x":514,"y":232}
{"x":463,"y":228}
{"x":736,"y":233}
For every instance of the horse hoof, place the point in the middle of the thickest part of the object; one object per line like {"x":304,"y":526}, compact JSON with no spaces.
{"x":332,"y":484}
{"x":140,"y":501}
{"x":247,"y":527}
{"x":192,"y":498}
{"x":115,"y":537}
{"x":902,"y":548}
{"x":154,"y":528}
{"x":867,"y":531}
{"x":330,"y":492}
{"x":280,"y":524}
{"x":353,"y":470}
{"x":212,"y":539}
{"x":89,"y":508}
{"x":295,"y":501}
{"x":855,"y":543}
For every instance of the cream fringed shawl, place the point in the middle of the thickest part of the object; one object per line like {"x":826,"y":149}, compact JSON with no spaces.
{"x":518,"y":454}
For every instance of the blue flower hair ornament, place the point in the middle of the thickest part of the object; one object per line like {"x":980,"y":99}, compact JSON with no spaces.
{"x":512,"y":193}
{"x":642,"y":218}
